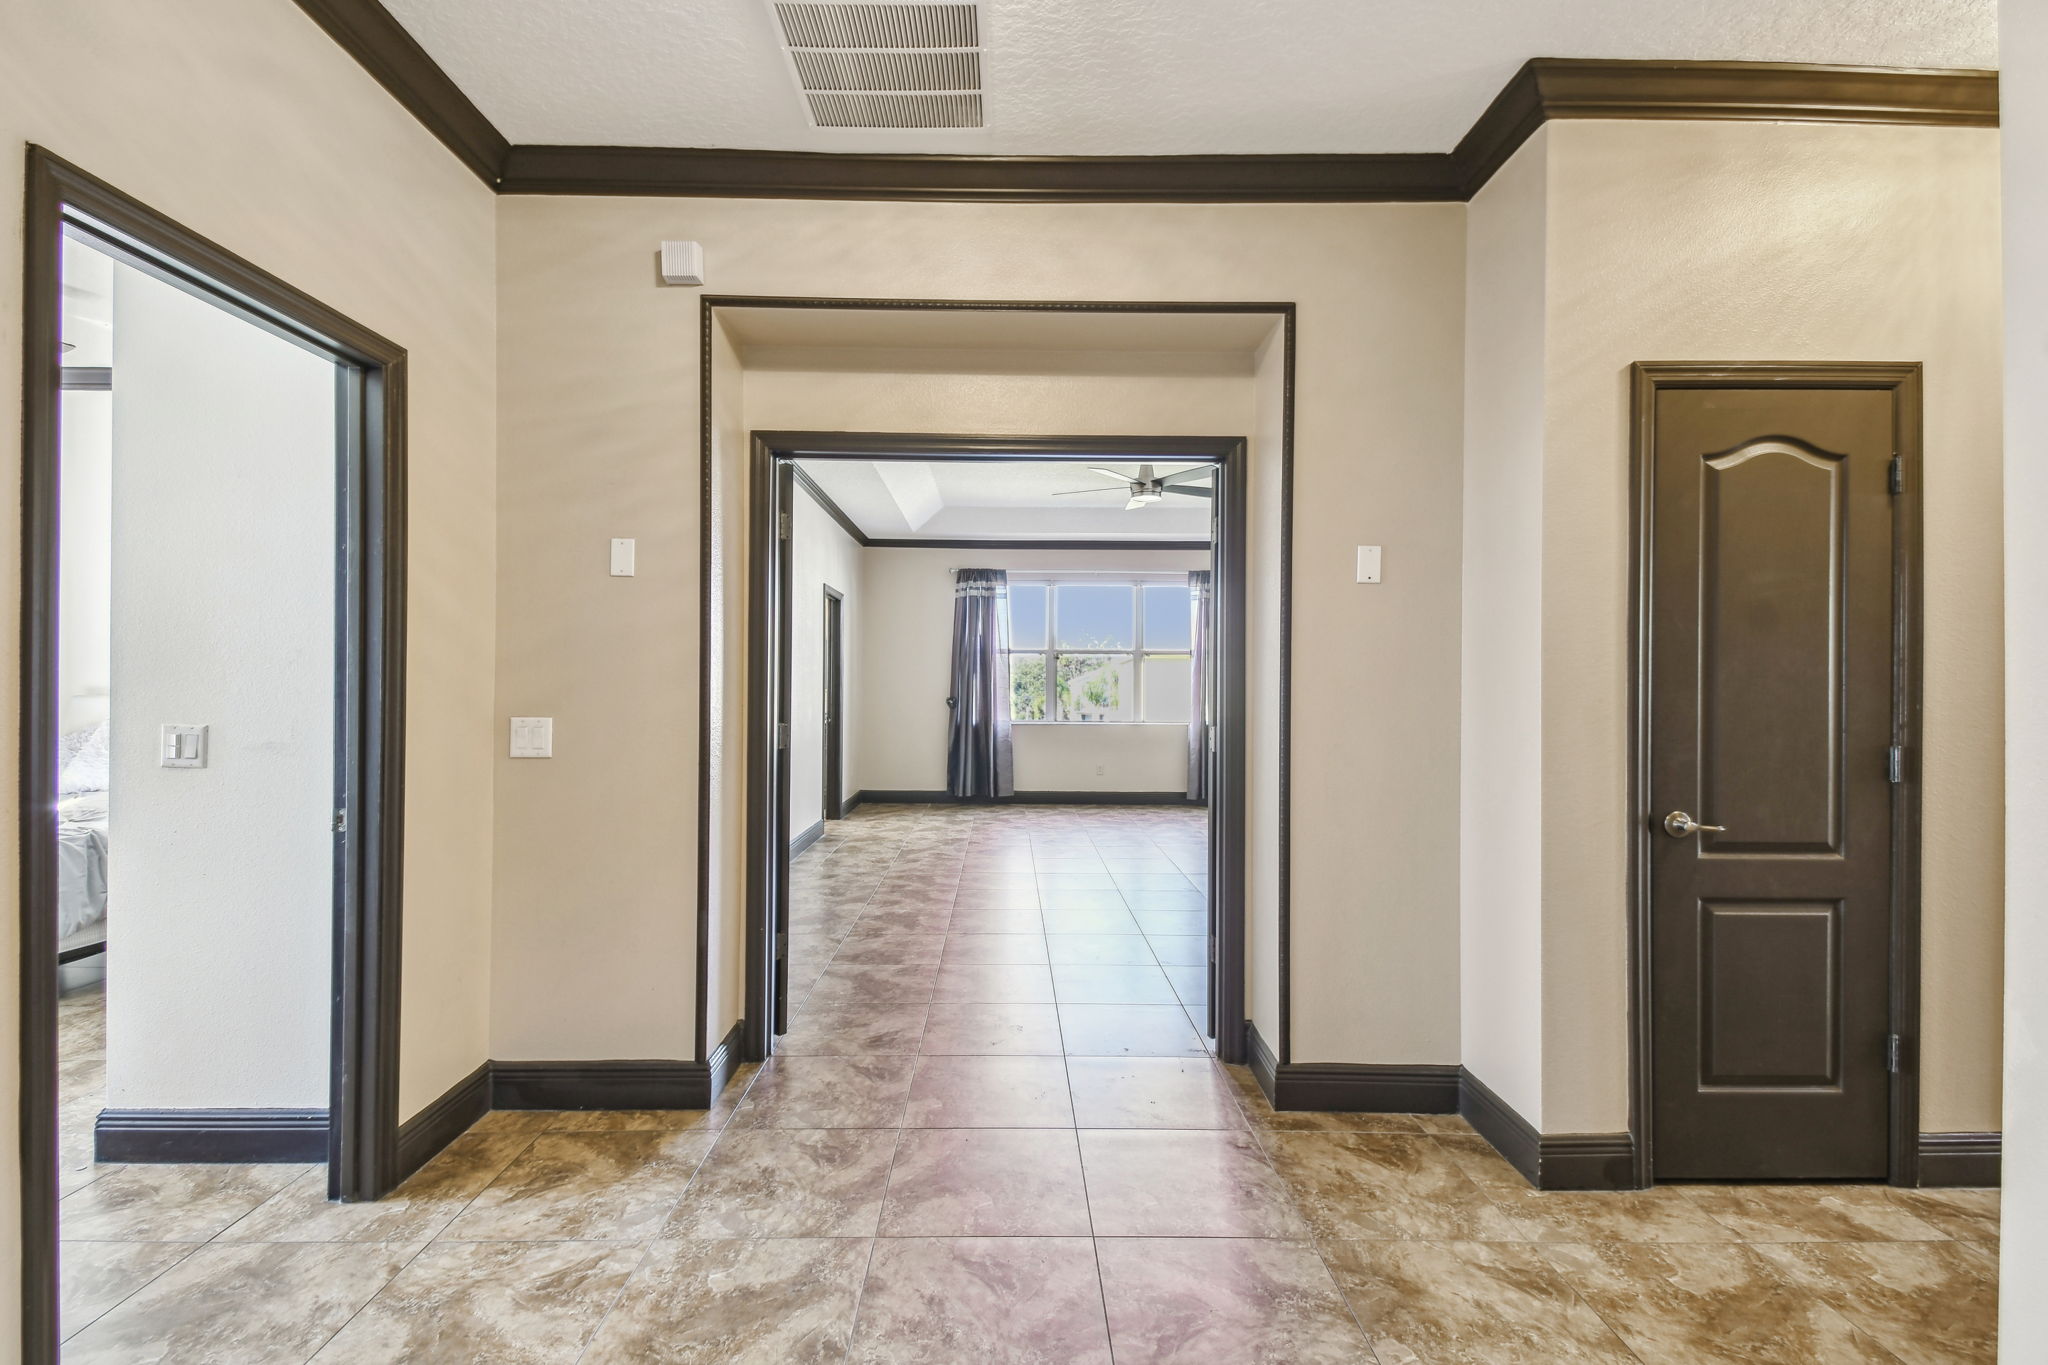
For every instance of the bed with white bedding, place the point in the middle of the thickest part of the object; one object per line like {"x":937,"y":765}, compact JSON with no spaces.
{"x":82,"y":845}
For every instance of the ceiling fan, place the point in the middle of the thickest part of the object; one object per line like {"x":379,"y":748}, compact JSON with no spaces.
{"x":1145,"y":487}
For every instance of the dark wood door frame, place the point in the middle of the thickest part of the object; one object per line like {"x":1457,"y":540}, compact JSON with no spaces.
{"x":832,"y":768}
{"x":772,"y":458}
{"x":369,"y":699}
{"x":1283,"y":315}
{"x":1902,"y":380}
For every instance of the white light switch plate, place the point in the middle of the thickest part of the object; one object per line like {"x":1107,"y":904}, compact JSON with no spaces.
{"x":1368,"y":563}
{"x":533,"y":736}
{"x":622,"y":559}
{"x":182,"y":746}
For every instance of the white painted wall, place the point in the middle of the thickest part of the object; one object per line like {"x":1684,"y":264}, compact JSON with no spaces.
{"x":220,"y":881}
{"x":85,"y":538}
{"x":2023,"y":1245}
{"x":1500,"y":749}
{"x":822,"y":555}
{"x":906,"y":663}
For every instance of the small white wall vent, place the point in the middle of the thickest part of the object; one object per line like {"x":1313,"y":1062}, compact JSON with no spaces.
{"x":884,"y":63}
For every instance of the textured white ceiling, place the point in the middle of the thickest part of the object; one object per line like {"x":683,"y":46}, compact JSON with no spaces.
{"x":1136,"y":77}
{"x":1001,"y":500}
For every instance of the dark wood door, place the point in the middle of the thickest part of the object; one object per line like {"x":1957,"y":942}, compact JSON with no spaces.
{"x":835,"y":684}
{"x":1771,"y":714}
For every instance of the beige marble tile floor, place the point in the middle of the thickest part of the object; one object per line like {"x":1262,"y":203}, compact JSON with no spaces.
{"x":994,"y":1134}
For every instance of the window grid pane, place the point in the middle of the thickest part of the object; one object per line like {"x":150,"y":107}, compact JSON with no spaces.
{"x":1066,"y":668}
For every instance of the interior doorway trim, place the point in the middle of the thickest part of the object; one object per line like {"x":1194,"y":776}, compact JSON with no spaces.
{"x":833,"y":769}
{"x":1902,"y":380}
{"x":369,"y":699}
{"x":771,"y":484}
{"x":1283,"y":315}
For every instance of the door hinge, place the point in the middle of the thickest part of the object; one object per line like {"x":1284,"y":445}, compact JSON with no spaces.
{"x":1212,"y":950}
{"x":782,"y":525}
{"x":341,"y":822}
{"x":782,"y":734}
{"x":781,"y":946}
{"x":1895,"y":763}
{"x":1894,"y":1046}
{"x":1898,"y":475}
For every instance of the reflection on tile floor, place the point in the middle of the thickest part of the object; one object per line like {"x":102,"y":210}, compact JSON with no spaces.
{"x":994,"y":1133}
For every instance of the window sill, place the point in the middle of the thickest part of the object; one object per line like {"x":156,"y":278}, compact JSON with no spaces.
{"x":1100,"y":724}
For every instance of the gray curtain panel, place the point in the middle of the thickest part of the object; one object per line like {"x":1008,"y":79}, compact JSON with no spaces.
{"x":978,"y":745}
{"x":1198,"y":688}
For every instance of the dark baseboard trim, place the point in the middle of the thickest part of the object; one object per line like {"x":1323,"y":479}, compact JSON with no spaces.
{"x":807,"y":838}
{"x":240,"y":1136}
{"x":1351,"y":1087}
{"x":1965,"y":1160}
{"x":848,"y":806}
{"x":1544,"y":88}
{"x":1265,"y":1066}
{"x":940,"y":798}
{"x":1562,"y":1161}
{"x":1494,"y":1119}
{"x":1549,"y":1161}
{"x":724,"y":1060}
{"x":1366,"y":1088}
{"x":601,"y":1085}
{"x":422,"y":1137}
{"x":1588,"y":1161}
{"x":562,"y":1085}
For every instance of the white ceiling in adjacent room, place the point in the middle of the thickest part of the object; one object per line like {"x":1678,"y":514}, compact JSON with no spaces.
{"x":1134,"y":77}
{"x":1008,"y":500}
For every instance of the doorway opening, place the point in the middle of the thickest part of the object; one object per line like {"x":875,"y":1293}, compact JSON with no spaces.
{"x":832,"y":649}
{"x":210,"y":732}
{"x":986,"y":874}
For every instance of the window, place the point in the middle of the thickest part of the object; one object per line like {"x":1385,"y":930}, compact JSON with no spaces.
{"x":1094,"y":650}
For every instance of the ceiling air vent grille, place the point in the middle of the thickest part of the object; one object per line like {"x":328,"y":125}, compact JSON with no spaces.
{"x":871,"y":65}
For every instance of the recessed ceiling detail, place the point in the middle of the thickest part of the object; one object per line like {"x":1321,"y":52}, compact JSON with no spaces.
{"x":909,"y":65}
{"x":1019,"y":499}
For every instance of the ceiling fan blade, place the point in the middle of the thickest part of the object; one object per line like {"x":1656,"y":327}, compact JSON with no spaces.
{"x":1084,"y":492}
{"x":1134,"y":504}
{"x":1188,"y":492}
{"x":1118,"y":475}
{"x":1185,"y":475}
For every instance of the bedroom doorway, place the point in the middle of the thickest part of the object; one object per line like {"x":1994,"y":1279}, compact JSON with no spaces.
{"x":212,"y":508}
{"x":1049,"y":918}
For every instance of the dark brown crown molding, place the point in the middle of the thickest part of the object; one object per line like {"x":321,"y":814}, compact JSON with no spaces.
{"x":726,"y":174}
{"x":1545,"y":88}
{"x":1549,"y":88}
{"x":367,"y":32}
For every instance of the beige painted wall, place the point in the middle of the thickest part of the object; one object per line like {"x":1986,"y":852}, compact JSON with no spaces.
{"x":1750,"y":241}
{"x":906,"y":671}
{"x":1501,"y":692}
{"x":2023,"y":1245}
{"x":242,"y":120}
{"x":823,"y":556}
{"x":600,"y":382}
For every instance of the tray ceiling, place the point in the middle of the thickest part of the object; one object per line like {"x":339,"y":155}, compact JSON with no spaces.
{"x":1003,"y":500}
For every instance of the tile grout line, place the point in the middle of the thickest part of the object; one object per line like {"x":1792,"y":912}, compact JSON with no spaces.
{"x":1081,"y":1160}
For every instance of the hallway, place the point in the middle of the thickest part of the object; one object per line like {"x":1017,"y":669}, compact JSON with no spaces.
{"x":993,"y":1135}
